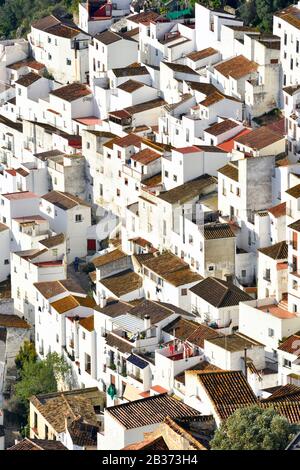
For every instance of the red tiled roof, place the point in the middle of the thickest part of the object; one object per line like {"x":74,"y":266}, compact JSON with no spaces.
{"x":228,"y":145}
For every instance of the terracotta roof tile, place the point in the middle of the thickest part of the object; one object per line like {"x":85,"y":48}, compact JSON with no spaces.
{"x":203,"y":54}
{"x":277,"y":251}
{"x":259,"y":138}
{"x":216,"y":230}
{"x":227,"y":390}
{"x":28,"y":79}
{"x":71,"y":92}
{"x":149,"y":411}
{"x":237,"y":67}
{"x":219,"y":293}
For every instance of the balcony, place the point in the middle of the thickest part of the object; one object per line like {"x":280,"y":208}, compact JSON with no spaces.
{"x":135,"y":377}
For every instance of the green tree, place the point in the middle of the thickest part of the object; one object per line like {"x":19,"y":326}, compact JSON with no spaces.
{"x":253,"y":428}
{"x":26,"y":353}
{"x":41,"y":377}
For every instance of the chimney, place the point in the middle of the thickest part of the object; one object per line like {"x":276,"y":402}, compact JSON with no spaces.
{"x":147,"y":322}
{"x":298,"y":5}
{"x":229,"y":278}
{"x":102,"y":301}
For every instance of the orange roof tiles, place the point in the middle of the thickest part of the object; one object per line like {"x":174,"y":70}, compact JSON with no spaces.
{"x":237,"y":67}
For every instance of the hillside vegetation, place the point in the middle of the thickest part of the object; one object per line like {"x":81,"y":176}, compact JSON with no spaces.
{"x":17,"y":15}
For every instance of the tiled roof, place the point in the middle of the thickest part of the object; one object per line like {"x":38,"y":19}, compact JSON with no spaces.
{"x":118,"y":343}
{"x":189,"y":190}
{"x":53,"y":240}
{"x":56,"y":406}
{"x":203,"y":365}
{"x":172,"y":269}
{"x":108,"y":37}
{"x":30,"y":63}
{"x":83,"y":434}
{"x":212,"y":99}
{"x":123,"y":283}
{"x":288,"y":392}
{"x":291,"y":345}
{"x":145,"y":156}
{"x":180,"y":68}
{"x":70,"y":302}
{"x":294,"y":192}
{"x":231,"y":171}
{"x":152,"y":444}
{"x":64,"y":200}
{"x":188,"y":330}
{"x":216,"y":230}
{"x":50,"y":289}
{"x":227,"y":390}
{"x":219,"y":293}
{"x":279,"y":210}
{"x":157,"y":311}
{"x":291,"y":15}
{"x":130,"y":71}
{"x":277,"y":251}
{"x":130,"y":86}
{"x":71,"y":92}
{"x":38,"y":444}
{"x":290,"y":90}
{"x":234,"y":342}
{"x":128,"y":140}
{"x":199,"y":55}
{"x":145,"y":17}
{"x":87,"y":323}
{"x":13,"y":321}
{"x":259,"y":138}
{"x":149,"y":411}
{"x":114,"y":308}
{"x":237,"y":67}
{"x":221,"y":127}
{"x":28,"y":79}
{"x":109,"y":257}
{"x":289,"y":409}
{"x":53,"y":25}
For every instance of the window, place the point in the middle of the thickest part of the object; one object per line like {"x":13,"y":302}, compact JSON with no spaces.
{"x":119,"y":154}
{"x":118,"y":193}
{"x":287,"y":363}
{"x":285,"y":39}
{"x":49,"y":39}
{"x":238,"y":193}
{"x":166,"y":175}
{"x":87,"y":363}
{"x":295,"y":285}
{"x":35,"y":421}
{"x":211,"y":267}
{"x":69,"y":62}
{"x":55,"y":251}
{"x":83,"y":335}
{"x":57,"y":338}
{"x":270,"y":332}
{"x":6,"y":261}
{"x":183,"y":291}
{"x":19,"y":93}
{"x":175,"y":178}
{"x":268,"y":275}
{"x":244,"y":272}
{"x":297,"y":46}
{"x":88,"y":145}
{"x":78,"y":218}
{"x":46,"y":432}
{"x":49,"y":57}
{"x":295,"y":241}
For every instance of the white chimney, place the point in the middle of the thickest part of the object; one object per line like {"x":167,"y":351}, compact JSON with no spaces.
{"x":102,"y":301}
{"x":147,"y":322}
